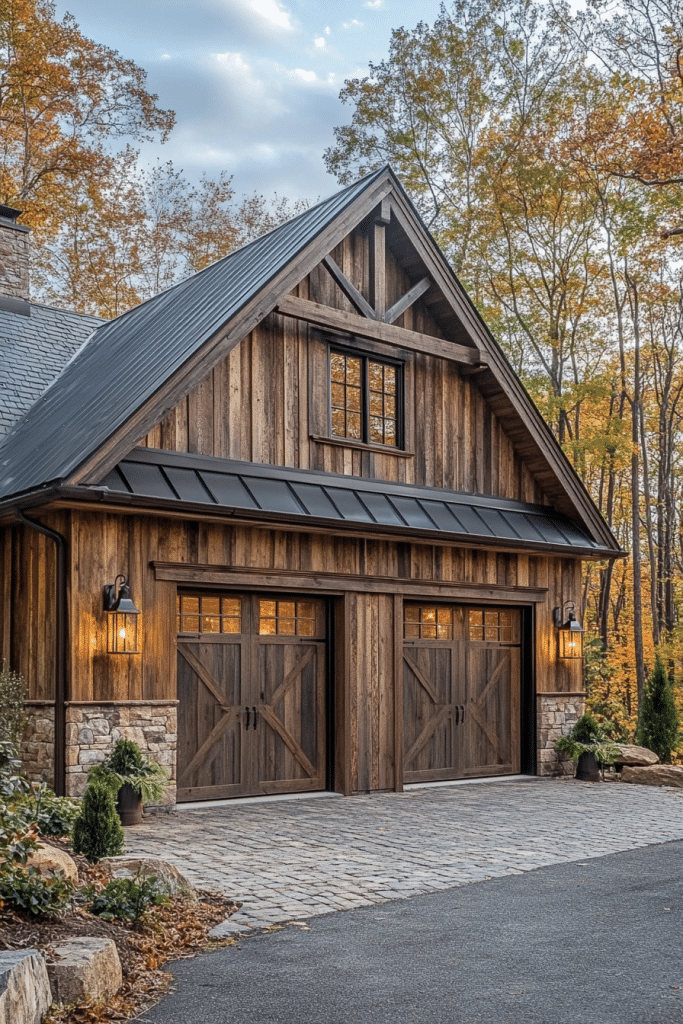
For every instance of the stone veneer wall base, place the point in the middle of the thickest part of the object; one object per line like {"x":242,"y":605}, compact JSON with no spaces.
{"x":93,"y":728}
{"x":557,"y":713}
{"x":37,"y":749}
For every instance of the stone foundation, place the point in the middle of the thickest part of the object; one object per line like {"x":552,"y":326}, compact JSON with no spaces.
{"x":37,"y":750}
{"x":92,"y":730}
{"x":557,"y":713}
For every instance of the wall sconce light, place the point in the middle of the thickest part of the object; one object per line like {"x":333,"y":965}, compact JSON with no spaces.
{"x":122,"y":618}
{"x":569,"y":631}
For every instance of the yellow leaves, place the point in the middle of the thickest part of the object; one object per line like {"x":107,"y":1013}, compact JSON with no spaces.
{"x":62,"y":96}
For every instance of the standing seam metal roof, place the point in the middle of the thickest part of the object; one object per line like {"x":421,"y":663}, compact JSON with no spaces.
{"x":228,"y":484}
{"x":128,"y":359}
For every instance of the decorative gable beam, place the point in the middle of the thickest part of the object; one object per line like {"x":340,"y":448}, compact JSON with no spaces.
{"x":377,"y":330}
{"x":407,"y":301}
{"x":349,"y":289}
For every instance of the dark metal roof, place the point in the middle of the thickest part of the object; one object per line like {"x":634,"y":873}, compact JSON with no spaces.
{"x":128,"y":359}
{"x":34,"y":348}
{"x":302,"y":495}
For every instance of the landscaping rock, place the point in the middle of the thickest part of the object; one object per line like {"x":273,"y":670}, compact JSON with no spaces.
{"x":633,"y":755}
{"x":24,"y":987}
{"x":85,"y":968}
{"x":655,"y":775}
{"x":49,"y":859}
{"x":128,"y":867}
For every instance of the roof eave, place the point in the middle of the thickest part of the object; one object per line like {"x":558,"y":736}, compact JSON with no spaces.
{"x":174,"y":508}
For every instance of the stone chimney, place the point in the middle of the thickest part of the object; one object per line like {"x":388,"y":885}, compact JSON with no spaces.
{"x":14,"y":253}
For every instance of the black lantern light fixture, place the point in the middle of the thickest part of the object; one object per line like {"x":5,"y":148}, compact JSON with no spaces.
{"x":122,"y":618}
{"x":569,"y":631}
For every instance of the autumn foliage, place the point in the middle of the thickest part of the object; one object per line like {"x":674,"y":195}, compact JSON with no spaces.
{"x":544,"y":148}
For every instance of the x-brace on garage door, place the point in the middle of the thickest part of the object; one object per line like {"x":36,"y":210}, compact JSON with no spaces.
{"x":461,"y":691}
{"x":251,"y":691}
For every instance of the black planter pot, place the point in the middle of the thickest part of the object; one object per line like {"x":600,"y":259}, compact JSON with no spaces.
{"x":129,"y":806}
{"x":588,"y":769}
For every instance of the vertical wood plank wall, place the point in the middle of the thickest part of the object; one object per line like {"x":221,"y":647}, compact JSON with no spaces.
{"x":267,"y":402}
{"x":103,"y":545}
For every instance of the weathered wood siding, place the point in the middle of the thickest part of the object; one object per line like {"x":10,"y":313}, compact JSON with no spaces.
{"x":104,"y":545}
{"x":267,"y":402}
{"x":27,"y":605}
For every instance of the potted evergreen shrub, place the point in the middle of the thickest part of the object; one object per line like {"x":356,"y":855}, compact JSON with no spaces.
{"x":589,"y":747}
{"x":133,"y":778}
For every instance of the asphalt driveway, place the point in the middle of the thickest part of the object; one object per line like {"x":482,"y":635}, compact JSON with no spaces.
{"x":596,"y":941}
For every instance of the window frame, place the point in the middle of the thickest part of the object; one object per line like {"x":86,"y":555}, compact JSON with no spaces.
{"x":366,"y":356}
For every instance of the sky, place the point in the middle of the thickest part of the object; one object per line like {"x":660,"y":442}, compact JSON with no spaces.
{"x":254,"y":83}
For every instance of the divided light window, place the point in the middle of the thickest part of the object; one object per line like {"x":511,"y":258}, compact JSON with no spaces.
{"x":364,"y":397}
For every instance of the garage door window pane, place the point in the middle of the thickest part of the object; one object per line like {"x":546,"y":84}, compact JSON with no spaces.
{"x":427,"y":622}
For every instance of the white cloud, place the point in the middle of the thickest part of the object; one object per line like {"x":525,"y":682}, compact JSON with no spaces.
{"x":355,"y":23}
{"x":373,"y":3}
{"x":327,"y":31}
{"x":234,"y":63}
{"x":273,"y":12}
{"x":306,"y":76}
{"x":320,"y":41}
{"x":165,"y":56}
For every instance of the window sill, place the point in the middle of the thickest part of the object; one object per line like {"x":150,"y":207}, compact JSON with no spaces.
{"x":376,"y":449}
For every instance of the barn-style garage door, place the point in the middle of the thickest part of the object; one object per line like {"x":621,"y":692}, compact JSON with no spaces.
{"x":461,"y":688}
{"x":251,"y":691}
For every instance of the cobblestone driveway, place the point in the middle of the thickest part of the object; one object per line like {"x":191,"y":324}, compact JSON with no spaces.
{"x":290,"y":860}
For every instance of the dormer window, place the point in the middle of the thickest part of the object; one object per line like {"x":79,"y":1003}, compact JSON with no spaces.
{"x":365,"y":398}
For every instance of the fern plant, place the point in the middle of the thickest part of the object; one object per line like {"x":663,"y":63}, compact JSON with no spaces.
{"x":587,"y":736}
{"x":127,"y":765}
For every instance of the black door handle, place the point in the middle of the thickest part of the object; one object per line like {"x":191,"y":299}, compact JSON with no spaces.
{"x":255,"y":716}
{"x":246,"y":725}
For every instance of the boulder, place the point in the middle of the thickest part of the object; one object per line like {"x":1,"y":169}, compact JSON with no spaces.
{"x":85,"y":968}
{"x":654,"y":775}
{"x":50,"y":859}
{"x":633,"y":755}
{"x":24,"y":987}
{"x":174,"y":882}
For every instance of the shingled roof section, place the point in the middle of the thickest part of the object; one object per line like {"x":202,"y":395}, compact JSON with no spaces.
{"x":33,"y":351}
{"x":128,"y":359}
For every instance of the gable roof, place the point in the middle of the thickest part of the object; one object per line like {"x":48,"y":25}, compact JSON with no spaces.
{"x":35,"y":345}
{"x":136,"y":367}
{"x":131,"y":357}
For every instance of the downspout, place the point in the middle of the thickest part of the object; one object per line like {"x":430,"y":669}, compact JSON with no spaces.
{"x":60,"y":652}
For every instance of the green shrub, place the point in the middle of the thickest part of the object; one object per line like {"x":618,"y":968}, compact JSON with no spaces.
{"x":587,"y":736}
{"x":26,"y":889}
{"x":657,"y":716}
{"x":126,"y":899}
{"x":97,"y":831}
{"x":13,"y":718}
{"x":128,"y":765}
{"x":12,"y":782}
{"x":54,"y":815}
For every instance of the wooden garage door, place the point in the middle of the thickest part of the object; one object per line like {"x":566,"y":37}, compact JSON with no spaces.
{"x":461,"y":684}
{"x":251,"y":691}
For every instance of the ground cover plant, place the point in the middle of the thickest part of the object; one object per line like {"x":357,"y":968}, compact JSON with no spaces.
{"x":39,"y":911}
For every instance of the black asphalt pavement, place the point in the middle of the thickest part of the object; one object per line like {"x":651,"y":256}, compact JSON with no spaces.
{"x":594,"y":942}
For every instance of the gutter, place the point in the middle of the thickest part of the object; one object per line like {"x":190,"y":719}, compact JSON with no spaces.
{"x":61,"y":649}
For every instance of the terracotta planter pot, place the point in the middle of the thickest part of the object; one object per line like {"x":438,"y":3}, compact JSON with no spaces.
{"x":129,"y":806}
{"x":588,"y":770}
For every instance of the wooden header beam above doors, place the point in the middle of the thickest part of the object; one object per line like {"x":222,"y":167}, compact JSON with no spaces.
{"x":377,"y":330}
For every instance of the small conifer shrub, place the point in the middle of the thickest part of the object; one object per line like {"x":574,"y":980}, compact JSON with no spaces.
{"x":657,"y":716}
{"x":97,"y":830}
